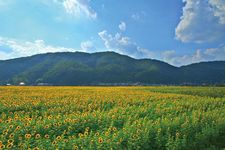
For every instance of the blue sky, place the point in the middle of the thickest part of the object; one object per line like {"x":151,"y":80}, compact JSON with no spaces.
{"x":179,"y":32}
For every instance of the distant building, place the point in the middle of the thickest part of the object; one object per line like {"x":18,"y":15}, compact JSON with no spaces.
{"x":44,"y":84}
{"x":8,"y":84}
{"x":22,"y":84}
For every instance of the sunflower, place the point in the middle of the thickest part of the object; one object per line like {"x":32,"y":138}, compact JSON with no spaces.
{"x":114,"y":135}
{"x":134,"y":136}
{"x":2,"y":146}
{"x":108,"y":141}
{"x":75,"y":147}
{"x":109,"y":129}
{"x":46,"y":136}
{"x":37,"y":136}
{"x":106,"y":133}
{"x":11,"y":126}
{"x":10,"y":145}
{"x":18,"y":127}
{"x":54,"y":143}
{"x":81,"y":135}
{"x":70,"y":128}
{"x":97,"y":134}
{"x":113,"y":116}
{"x":58,"y":138}
{"x":6,"y":131}
{"x":92,"y":141}
{"x":11,"y":136}
{"x":100,"y":140}
{"x":86,"y":133}
{"x":65,"y":132}
{"x":36,"y":148}
{"x":10,"y":141}
{"x":177,"y":134}
{"x":27,"y":136}
{"x":87,"y":128}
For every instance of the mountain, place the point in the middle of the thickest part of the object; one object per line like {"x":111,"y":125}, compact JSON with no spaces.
{"x":79,"y":68}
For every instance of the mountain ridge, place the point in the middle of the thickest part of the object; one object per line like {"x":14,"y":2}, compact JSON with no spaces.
{"x":80,"y":68}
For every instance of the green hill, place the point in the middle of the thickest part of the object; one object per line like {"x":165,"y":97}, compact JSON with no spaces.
{"x":78,"y":68}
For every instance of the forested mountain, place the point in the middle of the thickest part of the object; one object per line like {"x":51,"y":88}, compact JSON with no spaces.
{"x":79,"y":68}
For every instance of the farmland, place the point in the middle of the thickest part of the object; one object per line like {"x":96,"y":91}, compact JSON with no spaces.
{"x":112,"y":117}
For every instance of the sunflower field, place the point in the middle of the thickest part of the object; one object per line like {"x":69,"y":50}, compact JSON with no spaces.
{"x":112,"y":118}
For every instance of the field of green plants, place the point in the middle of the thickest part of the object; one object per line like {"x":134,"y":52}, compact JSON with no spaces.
{"x":112,"y":118}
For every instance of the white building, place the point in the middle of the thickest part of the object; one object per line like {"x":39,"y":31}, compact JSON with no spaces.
{"x":22,"y":83}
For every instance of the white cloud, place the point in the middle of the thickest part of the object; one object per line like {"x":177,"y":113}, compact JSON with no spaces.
{"x":87,"y":46}
{"x":123,"y":45}
{"x":4,"y":55}
{"x":78,"y":8}
{"x":122,"y":26}
{"x":138,"y":16}
{"x":219,"y":9}
{"x":202,"y":21}
{"x":212,"y":54}
{"x":25,"y":48}
{"x":146,"y":53}
{"x":135,"y":16}
{"x":178,"y":60}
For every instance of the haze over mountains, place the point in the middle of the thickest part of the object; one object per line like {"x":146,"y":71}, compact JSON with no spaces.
{"x":102,"y":68}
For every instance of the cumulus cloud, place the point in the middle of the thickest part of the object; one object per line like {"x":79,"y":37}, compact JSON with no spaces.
{"x":78,"y":7}
{"x":87,"y":46}
{"x":219,"y":9}
{"x":123,"y":45}
{"x":211,"y":54}
{"x":122,"y":26}
{"x":26,"y":48}
{"x":202,"y":21}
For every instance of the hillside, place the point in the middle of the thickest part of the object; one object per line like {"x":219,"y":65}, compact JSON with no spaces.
{"x":105,"y":68}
